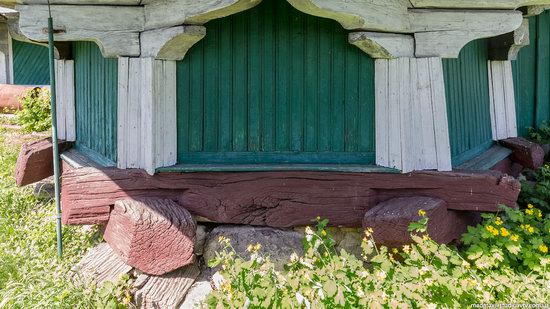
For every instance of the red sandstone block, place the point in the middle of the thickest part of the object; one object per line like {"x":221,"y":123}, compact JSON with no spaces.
{"x":155,"y":236}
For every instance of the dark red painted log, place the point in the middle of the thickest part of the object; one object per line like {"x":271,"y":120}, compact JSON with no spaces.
{"x":35,"y":161}
{"x":278,"y":199}
{"x":524,"y":152}
{"x":390,"y":220}
{"x":155,"y":236}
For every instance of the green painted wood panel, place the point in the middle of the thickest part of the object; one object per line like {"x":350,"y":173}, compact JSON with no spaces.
{"x":468,"y":102}
{"x":96,"y":81}
{"x":30,"y":64}
{"x":273,"y":85}
{"x":532,"y":76}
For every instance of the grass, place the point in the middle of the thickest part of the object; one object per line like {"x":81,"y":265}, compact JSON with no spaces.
{"x":31,"y":275}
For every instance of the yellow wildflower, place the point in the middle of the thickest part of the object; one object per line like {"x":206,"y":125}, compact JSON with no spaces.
{"x":406,"y":248}
{"x":395,"y":250}
{"x":530,"y":206}
{"x":368,"y":232}
{"x":531,"y":230}
{"x":498,"y":221}
{"x":324,"y":233}
{"x":504,"y":232}
{"x":422,"y":213}
{"x":529,"y":211}
{"x":514,"y":237}
{"x":425,"y":237}
{"x":318,"y":218}
{"x":543,"y":248}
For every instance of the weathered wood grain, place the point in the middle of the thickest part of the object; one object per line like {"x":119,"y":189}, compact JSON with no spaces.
{"x":525,"y":152}
{"x":155,"y":236}
{"x":390,"y":220}
{"x":503,"y":102}
{"x":99,"y":265}
{"x":383,"y":45}
{"x":166,"y":291}
{"x":147,"y":117}
{"x":35,"y":161}
{"x":411,"y":115}
{"x":170,"y":43}
{"x":65,"y":99}
{"x":278,"y":199}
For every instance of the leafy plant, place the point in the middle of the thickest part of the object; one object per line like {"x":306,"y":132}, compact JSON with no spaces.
{"x":537,"y":192}
{"x":35,"y":115}
{"x":423,"y":274}
{"x":515,"y":238}
{"x":540,"y":135}
{"x":31,"y":275}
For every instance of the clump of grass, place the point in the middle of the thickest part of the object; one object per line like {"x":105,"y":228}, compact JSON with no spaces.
{"x":31,"y":275}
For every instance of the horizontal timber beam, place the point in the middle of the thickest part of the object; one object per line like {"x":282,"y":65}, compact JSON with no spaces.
{"x":124,"y":28}
{"x":278,"y":199}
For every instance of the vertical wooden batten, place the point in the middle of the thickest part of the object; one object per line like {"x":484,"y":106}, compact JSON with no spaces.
{"x":411,"y":115}
{"x":64,"y":72}
{"x":503,"y":103}
{"x":147,"y":136}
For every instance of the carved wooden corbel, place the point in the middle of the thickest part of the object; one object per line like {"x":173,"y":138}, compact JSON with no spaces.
{"x":507,"y":46}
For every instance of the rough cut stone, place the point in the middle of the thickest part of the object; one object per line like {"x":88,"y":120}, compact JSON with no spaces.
{"x":199,"y":291}
{"x":390,"y":220}
{"x":202,"y":234}
{"x":99,"y":265}
{"x":167,"y":291}
{"x":155,"y":236}
{"x":529,"y":154}
{"x":278,"y":244}
{"x":44,"y":190}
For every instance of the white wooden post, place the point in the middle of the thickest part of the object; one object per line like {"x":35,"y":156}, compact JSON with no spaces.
{"x":65,"y":99}
{"x":411,"y":115}
{"x":147,"y":136}
{"x":503,"y":101}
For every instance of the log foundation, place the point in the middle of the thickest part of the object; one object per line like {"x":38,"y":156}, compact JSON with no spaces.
{"x":278,"y":199}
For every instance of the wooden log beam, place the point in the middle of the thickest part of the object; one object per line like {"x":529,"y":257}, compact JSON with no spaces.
{"x":170,"y":43}
{"x":476,"y":4}
{"x":390,"y":220}
{"x":153,"y":235}
{"x":115,"y":29}
{"x":525,"y":152}
{"x":35,"y":161}
{"x":383,"y":45}
{"x":278,"y":199}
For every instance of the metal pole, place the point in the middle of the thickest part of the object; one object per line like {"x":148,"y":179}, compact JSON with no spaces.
{"x":56,"y":173}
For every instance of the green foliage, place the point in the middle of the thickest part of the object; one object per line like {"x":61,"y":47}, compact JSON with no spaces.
{"x":31,"y":275}
{"x":537,"y":192}
{"x":514,"y":238}
{"x":421,"y":275}
{"x":540,"y":135}
{"x":36,"y":114}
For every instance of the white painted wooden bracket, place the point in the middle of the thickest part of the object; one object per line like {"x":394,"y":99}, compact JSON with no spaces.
{"x":115,"y":29}
{"x":65,"y":99}
{"x":170,"y":43}
{"x":411,"y":115}
{"x":146,"y":113}
{"x":168,"y":13}
{"x":507,"y":46}
{"x":503,"y":102}
{"x":383,"y":45}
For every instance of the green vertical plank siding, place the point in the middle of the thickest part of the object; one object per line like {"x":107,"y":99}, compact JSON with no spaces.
{"x":273,"y":85}
{"x":30,"y":64}
{"x":532,"y":76}
{"x":468,"y":103}
{"x":96,"y":81}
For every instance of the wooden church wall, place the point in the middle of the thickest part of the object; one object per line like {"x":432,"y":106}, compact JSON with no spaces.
{"x":274,"y":85}
{"x":468,"y":105}
{"x":532,"y":76}
{"x":96,"y":100}
{"x":30,"y":64}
